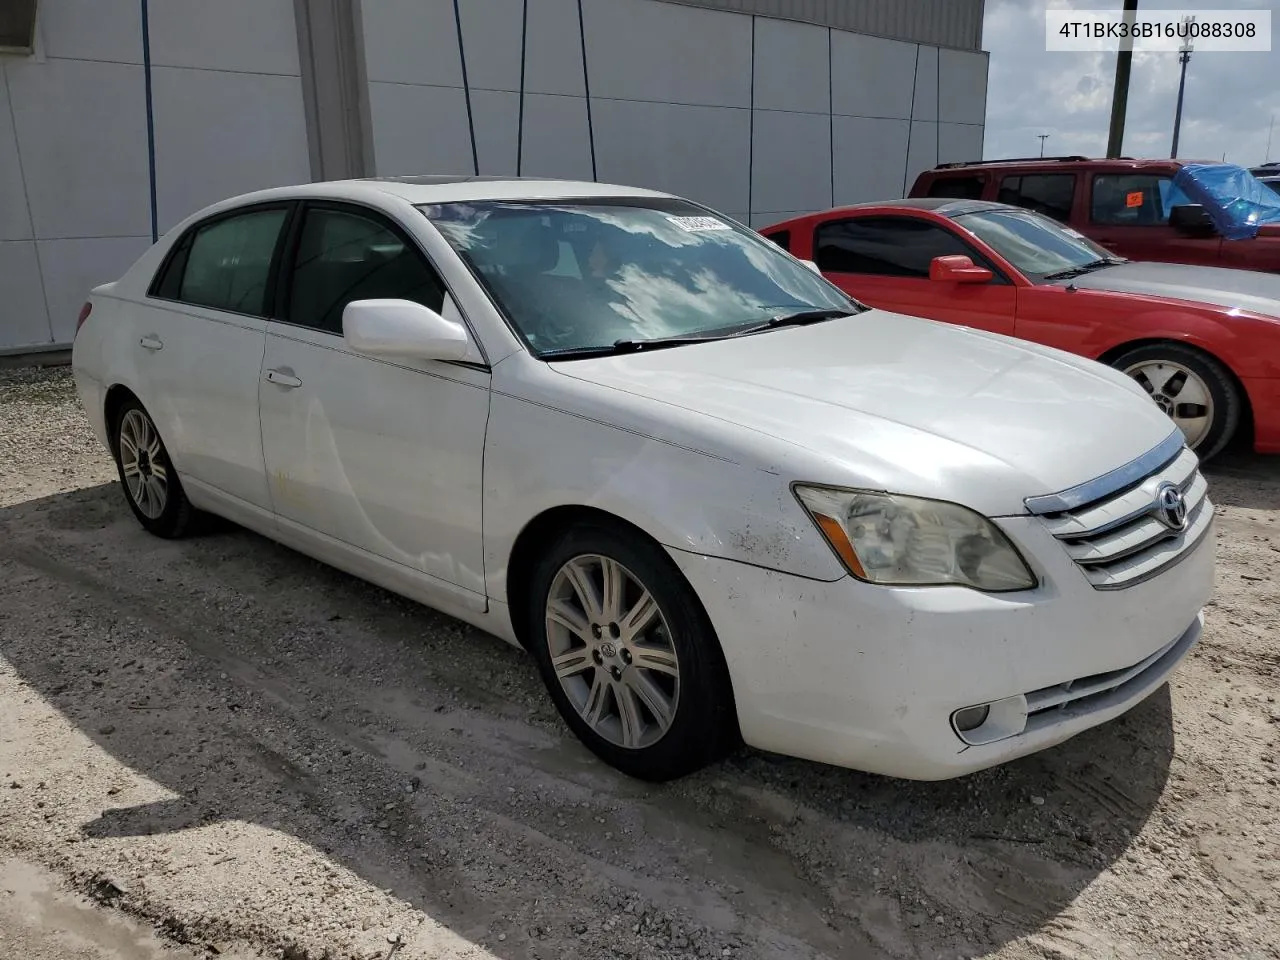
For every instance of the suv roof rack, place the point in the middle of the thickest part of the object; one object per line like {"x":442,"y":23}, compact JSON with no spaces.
{"x":982,"y":163}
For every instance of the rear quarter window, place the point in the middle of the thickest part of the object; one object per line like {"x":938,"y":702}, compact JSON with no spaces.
{"x":781,"y":237}
{"x":957,"y":187}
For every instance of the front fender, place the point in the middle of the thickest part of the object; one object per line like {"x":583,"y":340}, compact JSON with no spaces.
{"x":538,"y":457}
{"x":1248,"y":345}
{"x":1102,"y":322}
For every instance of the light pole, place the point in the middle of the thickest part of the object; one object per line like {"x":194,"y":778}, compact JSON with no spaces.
{"x":1120,"y":92}
{"x":1184,"y":57}
{"x":1043,"y":137}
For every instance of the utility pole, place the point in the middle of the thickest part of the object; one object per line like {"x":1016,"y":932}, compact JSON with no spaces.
{"x":1184,"y":57}
{"x":1266,"y":157}
{"x":1120,"y":93}
{"x":1043,"y":137}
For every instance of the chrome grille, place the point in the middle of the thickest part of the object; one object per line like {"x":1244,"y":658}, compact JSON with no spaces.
{"x":1124,"y":536}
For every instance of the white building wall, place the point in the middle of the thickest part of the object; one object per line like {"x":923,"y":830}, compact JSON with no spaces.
{"x":227,"y":101}
{"x":758,"y":117}
{"x":75,"y":167}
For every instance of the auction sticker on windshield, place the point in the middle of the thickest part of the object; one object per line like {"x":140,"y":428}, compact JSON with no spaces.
{"x":698,"y":224}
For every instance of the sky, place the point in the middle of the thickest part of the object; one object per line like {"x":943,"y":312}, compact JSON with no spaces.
{"x":1229,"y":99}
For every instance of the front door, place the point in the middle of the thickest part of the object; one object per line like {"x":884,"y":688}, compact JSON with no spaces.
{"x":1129,"y":215}
{"x":884,"y":262}
{"x":367,"y":455}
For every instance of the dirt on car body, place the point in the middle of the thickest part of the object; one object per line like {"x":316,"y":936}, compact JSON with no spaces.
{"x":252,"y":751}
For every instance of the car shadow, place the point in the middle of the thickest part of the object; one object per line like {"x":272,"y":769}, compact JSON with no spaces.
{"x":1239,"y":478}
{"x":262,"y":688}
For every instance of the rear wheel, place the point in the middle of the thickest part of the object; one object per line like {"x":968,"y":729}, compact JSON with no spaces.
{"x":1193,"y":388}
{"x":151,"y":485}
{"x":628,"y":655}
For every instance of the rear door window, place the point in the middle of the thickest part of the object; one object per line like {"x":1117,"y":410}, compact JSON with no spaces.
{"x":1048,"y":193}
{"x":225,"y":264}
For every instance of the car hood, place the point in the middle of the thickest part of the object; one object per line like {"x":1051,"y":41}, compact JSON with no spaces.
{"x":1249,"y":290}
{"x":904,"y":404}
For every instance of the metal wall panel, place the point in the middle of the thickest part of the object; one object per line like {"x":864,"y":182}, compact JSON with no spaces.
{"x":942,"y":23}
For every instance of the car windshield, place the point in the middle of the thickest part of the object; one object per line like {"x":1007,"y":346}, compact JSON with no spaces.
{"x":1237,"y":201}
{"x":1036,"y":245}
{"x":576,"y":276}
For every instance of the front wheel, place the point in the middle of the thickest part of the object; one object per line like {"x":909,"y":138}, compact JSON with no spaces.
{"x":628,"y":655}
{"x":1193,"y":388}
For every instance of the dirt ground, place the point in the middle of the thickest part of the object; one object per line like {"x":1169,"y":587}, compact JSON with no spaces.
{"x":253,"y":754}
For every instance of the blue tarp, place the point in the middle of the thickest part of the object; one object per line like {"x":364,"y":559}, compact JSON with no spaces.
{"x":1237,"y":201}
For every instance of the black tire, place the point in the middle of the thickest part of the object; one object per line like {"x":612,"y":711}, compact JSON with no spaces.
{"x":1228,"y":406}
{"x":704,"y":724}
{"x":176,"y":518}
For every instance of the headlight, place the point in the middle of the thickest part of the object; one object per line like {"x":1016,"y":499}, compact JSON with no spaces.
{"x":907,"y":541}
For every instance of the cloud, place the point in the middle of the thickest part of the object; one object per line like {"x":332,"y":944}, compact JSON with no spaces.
{"x":1228,"y":104}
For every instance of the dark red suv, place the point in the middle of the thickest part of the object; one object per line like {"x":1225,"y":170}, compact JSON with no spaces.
{"x":1133,"y":207}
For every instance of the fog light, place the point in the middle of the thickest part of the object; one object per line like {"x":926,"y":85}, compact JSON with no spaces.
{"x":970,"y":718}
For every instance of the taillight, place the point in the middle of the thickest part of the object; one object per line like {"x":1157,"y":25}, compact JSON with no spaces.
{"x":84,"y":315}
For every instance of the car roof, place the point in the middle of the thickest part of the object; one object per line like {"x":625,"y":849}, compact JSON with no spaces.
{"x":1063,"y":163}
{"x":451,"y":188}
{"x":943,"y":206}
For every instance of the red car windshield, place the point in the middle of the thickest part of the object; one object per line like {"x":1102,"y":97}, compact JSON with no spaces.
{"x":1036,"y":245}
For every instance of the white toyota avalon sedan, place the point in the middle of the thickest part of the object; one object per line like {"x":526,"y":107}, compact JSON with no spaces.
{"x":714,"y":497}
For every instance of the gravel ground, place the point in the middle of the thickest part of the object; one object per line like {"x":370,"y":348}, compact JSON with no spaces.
{"x":251,"y":752}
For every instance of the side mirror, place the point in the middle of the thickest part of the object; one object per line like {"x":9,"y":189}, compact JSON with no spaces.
{"x":404,"y":329}
{"x":1191,"y":218}
{"x":812,"y":266}
{"x":958,"y":269}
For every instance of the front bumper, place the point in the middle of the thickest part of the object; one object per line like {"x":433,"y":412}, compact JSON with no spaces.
{"x":868,"y":677}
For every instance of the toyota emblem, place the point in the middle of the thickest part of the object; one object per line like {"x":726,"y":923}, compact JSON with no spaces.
{"x":1171,"y":506}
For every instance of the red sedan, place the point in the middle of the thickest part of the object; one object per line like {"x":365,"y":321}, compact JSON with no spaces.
{"x":1203,"y":341}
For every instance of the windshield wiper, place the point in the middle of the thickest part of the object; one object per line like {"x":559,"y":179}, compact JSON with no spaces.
{"x":797,"y":319}
{"x":800,"y":318}
{"x":1084,"y":268}
{"x":627,"y":346}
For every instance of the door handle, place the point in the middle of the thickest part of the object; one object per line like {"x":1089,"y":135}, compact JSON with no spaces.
{"x":282,"y":379}
{"x":151,"y":342}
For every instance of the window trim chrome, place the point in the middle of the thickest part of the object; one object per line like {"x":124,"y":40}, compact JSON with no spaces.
{"x":1109,"y":483}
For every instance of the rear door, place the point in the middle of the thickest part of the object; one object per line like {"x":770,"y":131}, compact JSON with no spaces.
{"x":1129,"y":214}
{"x":883,"y":260}
{"x":202,"y":332}
{"x":1051,"y":194}
{"x":369,"y":457}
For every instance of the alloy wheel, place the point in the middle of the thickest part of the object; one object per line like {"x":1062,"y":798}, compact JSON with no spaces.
{"x":612,"y":652}
{"x":141,"y":455}
{"x":1180,"y":393}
